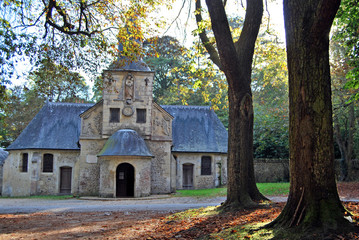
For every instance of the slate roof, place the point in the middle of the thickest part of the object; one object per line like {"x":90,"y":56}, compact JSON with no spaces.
{"x":56,"y":126}
{"x":125,"y":142}
{"x":139,"y":66}
{"x":197,"y":129}
{"x":3,"y":156}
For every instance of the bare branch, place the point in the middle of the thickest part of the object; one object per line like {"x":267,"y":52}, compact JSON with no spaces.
{"x":266,"y":4}
{"x":175,"y":19}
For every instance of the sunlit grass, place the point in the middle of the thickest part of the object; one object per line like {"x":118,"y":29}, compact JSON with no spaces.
{"x":193,"y":213}
{"x":267,"y":189}
{"x":251,"y":231}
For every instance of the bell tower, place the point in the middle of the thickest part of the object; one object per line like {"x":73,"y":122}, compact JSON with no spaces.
{"x":127,"y":96}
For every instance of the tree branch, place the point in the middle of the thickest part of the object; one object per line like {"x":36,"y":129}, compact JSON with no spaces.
{"x":67,"y":27}
{"x":213,"y":54}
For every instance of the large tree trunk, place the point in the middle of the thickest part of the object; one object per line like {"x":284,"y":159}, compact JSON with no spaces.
{"x":236,"y":62}
{"x":313,"y":203}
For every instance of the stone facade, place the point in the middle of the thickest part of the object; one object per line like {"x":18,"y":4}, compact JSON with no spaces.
{"x":121,"y":146}
{"x":33,"y":180}
{"x":189,"y":167}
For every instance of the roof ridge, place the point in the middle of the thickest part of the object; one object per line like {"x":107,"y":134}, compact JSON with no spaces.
{"x":69,"y":104}
{"x":187,"y":106}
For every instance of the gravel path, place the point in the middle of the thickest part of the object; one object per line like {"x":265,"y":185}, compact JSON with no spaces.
{"x":11,"y":205}
{"x":79,"y":205}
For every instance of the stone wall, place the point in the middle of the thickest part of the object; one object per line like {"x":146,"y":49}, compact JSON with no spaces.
{"x":277,"y":170}
{"x":87,"y":169}
{"x":271,"y":170}
{"x":161,"y":169}
{"x":35,"y":181}
{"x":1,"y":176}
{"x":115,"y":96}
{"x":218,"y":170}
{"x":142,"y":170}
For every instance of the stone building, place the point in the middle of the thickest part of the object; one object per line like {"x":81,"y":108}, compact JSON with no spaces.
{"x":125,"y":145}
{"x":3,"y":156}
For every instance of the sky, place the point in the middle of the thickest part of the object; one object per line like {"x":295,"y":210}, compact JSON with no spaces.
{"x":185,"y":23}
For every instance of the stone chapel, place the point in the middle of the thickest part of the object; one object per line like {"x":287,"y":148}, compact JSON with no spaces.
{"x":125,"y":145}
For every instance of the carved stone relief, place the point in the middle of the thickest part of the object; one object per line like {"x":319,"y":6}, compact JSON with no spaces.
{"x":88,"y":130}
{"x":162,"y":125}
{"x":98,"y":122}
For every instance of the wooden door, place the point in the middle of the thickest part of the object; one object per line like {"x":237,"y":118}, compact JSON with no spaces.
{"x":65,"y":180}
{"x":187,"y":176}
{"x":125,"y":180}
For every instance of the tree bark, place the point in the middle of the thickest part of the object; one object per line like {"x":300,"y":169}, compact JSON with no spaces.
{"x":236,"y":62}
{"x":313,"y":203}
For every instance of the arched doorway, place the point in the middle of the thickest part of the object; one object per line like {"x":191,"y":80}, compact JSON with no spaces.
{"x":125,"y":180}
{"x":187,"y":176}
{"x":65,"y":180}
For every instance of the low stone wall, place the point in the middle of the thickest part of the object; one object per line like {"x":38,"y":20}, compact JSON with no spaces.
{"x":271,"y":170}
{"x":1,"y":173}
{"x":277,"y":170}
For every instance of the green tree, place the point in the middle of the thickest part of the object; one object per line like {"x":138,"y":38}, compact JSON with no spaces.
{"x":185,"y":76}
{"x":345,"y":111}
{"x":347,"y":23}
{"x":270,"y":97}
{"x":164,"y":55}
{"x":77,"y":35}
{"x":50,"y":82}
{"x":21,"y":107}
{"x":234,"y":58}
{"x":313,"y":205}
{"x":57,"y":83}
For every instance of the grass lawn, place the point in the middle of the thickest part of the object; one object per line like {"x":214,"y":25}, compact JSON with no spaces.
{"x":268,"y":189}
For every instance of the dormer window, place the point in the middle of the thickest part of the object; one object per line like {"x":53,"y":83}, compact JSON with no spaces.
{"x":114,"y":115}
{"x":141,"y":115}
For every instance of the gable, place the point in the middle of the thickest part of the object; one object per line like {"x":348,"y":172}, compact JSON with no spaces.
{"x":56,"y":126}
{"x":91,"y":121}
{"x":197,"y":129}
{"x":161,"y":123}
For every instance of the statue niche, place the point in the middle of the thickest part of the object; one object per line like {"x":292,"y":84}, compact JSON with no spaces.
{"x":129,"y":89}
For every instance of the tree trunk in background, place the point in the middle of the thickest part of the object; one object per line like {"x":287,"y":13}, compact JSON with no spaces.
{"x":313,"y":203}
{"x":236,"y":62}
{"x":346,"y":144}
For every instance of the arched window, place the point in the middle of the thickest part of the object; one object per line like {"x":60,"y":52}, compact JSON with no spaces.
{"x":48,"y":163}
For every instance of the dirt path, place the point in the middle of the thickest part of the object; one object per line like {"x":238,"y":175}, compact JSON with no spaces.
{"x":125,"y":219}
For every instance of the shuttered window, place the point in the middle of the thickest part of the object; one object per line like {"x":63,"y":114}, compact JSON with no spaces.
{"x":206,"y":165}
{"x":48,"y":163}
{"x":114,"y":115}
{"x":141,"y":115}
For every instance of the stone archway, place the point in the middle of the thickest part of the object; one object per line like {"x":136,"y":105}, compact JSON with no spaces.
{"x":125,"y":180}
